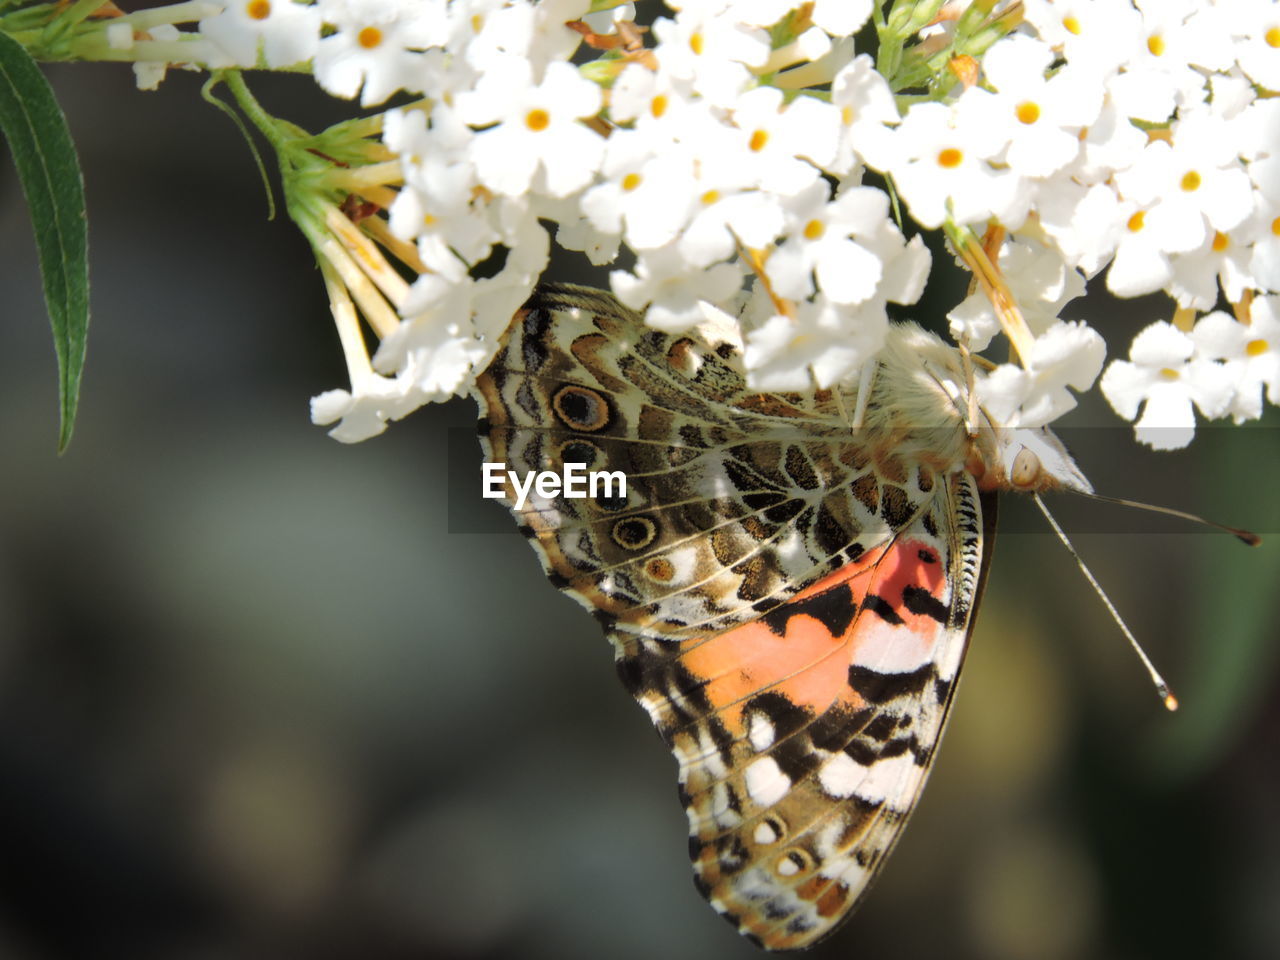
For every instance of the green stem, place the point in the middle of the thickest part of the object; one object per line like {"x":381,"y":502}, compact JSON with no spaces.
{"x":68,"y":20}
{"x":267,"y":125}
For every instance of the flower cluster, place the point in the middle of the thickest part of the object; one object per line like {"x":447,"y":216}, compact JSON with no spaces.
{"x":728,"y":148}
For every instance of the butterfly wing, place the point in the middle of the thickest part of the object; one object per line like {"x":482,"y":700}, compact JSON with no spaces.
{"x":735,"y":500}
{"x":791,"y":605}
{"x":804,"y":738}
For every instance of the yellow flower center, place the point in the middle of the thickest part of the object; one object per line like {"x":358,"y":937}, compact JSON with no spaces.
{"x":1168,"y":373}
{"x":631,"y":181}
{"x":369,"y":37}
{"x":710,"y":197}
{"x":950,"y":158}
{"x":695,"y":44}
{"x":537,"y":120}
{"x":814,"y":229}
{"x":258,"y":9}
{"x":1256,"y":348}
{"x":1136,"y":221}
{"x":1027,"y":112}
{"x":1071,"y":25}
{"x":429,"y":220}
{"x":1272,"y":37}
{"x":1190,"y":181}
{"x":1155,"y":44}
{"x":1220,"y":242}
{"x":758,"y":140}
{"x":1275,"y":227}
{"x":658,"y":106}
{"x":847,"y":116}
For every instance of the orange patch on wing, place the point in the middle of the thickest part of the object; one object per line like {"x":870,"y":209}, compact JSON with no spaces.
{"x":904,"y":566}
{"x":833,"y":901}
{"x":805,"y":664}
{"x":912,"y":569}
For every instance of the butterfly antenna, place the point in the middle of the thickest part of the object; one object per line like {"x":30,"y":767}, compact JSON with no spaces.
{"x":1246,"y":536}
{"x":1162,"y":688}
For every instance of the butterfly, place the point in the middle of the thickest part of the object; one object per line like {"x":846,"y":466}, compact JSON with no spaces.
{"x":789,"y":596}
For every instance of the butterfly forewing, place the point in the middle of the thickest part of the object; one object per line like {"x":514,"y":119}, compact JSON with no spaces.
{"x":735,"y":500}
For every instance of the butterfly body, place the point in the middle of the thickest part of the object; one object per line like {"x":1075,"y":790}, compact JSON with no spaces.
{"x":789,"y":597}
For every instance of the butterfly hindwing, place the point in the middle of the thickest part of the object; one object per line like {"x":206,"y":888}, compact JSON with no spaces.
{"x":803,"y":739}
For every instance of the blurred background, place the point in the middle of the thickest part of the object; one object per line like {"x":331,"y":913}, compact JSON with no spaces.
{"x":263,"y":695}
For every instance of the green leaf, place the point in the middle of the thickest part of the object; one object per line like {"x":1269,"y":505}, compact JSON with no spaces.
{"x":47,"y":166}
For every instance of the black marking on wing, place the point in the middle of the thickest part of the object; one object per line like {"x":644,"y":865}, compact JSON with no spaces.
{"x":831,"y":536}
{"x":895,"y":508}
{"x":919,"y":600}
{"x":785,"y":714}
{"x":784,"y":512}
{"x":833,"y":608}
{"x":882,"y":608}
{"x":877,"y":687}
{"x":831,"y":730}
{"x":799,"y":470}
{"x":537,"y":321}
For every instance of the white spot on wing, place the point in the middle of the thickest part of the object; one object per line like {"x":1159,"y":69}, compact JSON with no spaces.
{"x":762,"y":732}
{"x":766,"y":783}
{"x":888,"y":649}
{"x":683,"y":561}
{"x":764,"y":833}
{"x":842,"y":776}
{"x":787,"y":867}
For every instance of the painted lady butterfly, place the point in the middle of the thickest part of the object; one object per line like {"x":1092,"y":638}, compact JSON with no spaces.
{"x":789,"y":598}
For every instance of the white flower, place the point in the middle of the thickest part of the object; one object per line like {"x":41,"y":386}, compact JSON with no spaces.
{"x":823,"y":345}
{"x":654,"y":101}
{"x":648,"y":186}
{"x":374,"y":49}
{"x":1096,"y":34}
{"x":942,"y":167}
{"x":1264,"y":260}
{"x":1068,"y":354}
{"x":1165,"y":378}
{"x":1040,"y":119}
{"x":528,"y":31}
{"x":672,"y":289}
{"x":1192,"y":184}
{"x":1159,"y":73}
{"x":438,"y":357}
{"x":365,"y":409}
{"x":1112,"y":142}
{"x":825,"y":240}
{"x":1223,"y":258}
{"x":711,"y":51}
{"x":283,"y":32}
{"x":1141,"y":263}
{"x":1251,"y":353}
{"x":536,"y":128}
{"x":723,"y":217}
{"x":866,"y":109}
{"x":774,"y":138}
{"x":1256,"y":25}
{"x":1085,"y":223}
